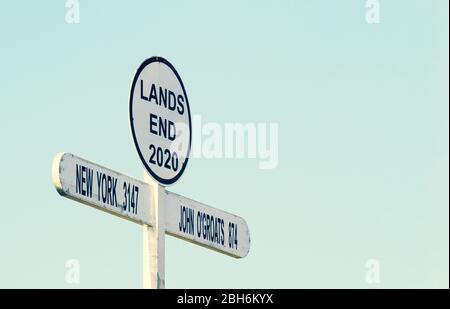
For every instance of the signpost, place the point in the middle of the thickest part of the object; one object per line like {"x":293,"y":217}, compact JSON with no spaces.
{"x":206,"y":226}
{"x":160,"y":123}
{"x":160,"y":120}
{"x":102,"y":188}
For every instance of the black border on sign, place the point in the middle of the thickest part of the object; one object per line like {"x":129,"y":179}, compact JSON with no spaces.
{"x":144,"y":162}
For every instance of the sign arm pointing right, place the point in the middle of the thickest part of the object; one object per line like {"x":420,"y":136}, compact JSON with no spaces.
{"x":206,"y":226}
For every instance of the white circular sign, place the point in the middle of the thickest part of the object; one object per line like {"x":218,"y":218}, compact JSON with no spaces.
{"x":160,"y":120}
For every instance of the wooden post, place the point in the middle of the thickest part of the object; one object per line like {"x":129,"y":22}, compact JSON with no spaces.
{"x":154,"y":238}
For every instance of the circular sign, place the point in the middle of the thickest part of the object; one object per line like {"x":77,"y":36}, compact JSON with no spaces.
{"x":160,"y":120}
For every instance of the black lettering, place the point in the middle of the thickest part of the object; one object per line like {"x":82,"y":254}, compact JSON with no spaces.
{"x":104,"y":188}
{"x":78,"y":179}
{"x":203,"y":226}
{"x":142,"y":91}
{"x":153,"y":94}
{"x":172,"y":132}
{"x":153,"y":123}
{"x":163,"y":96}
{"x":180,"y":107}
{"x":89,"y":175}
{"x":172,"y":101}
{"x":199,"y":224}
{"x":83,"y":180}
{"x":99,"y":180}
{"x":162,"y":127}
{"x":114,"y":193}
{"x":109,"y":196}
{"x":180,"y":225}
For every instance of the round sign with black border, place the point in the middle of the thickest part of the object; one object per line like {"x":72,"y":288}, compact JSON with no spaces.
{"x":160,"y":120}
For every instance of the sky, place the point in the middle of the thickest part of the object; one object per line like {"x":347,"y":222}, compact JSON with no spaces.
{"x":363,"y":146}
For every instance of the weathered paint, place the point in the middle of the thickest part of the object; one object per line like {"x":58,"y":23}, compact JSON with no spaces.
{"x":158,"y":210}
{"x":206,"y":226}
{"x":154,"y":240}
{"x":102,"y":188}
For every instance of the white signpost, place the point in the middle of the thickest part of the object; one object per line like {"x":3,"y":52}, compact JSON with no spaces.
{"x":160,"y":124}
{"x":102,"y":188}
{"x":206,"y":226}
{"x":160,"y":120}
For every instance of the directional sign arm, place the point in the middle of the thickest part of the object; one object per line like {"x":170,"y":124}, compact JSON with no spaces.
{"x":206,"y":226}
{"x":102,"y":188}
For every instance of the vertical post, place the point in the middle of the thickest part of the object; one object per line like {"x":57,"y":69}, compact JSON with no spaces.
{"x":154,"y":238}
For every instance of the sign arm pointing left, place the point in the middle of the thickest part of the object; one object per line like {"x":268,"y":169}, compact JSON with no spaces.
{"x":102,"y":188}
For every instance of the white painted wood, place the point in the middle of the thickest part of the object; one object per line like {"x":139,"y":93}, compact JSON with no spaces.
{"x":233,"y":237}
{"x":154,"y":239}
{"x":116,"y":196}
{"x":160,"y":120}
{"x":158,"y":210}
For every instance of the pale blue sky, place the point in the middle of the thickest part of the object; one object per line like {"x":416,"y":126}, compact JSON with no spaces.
{"x":363,"y":138}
